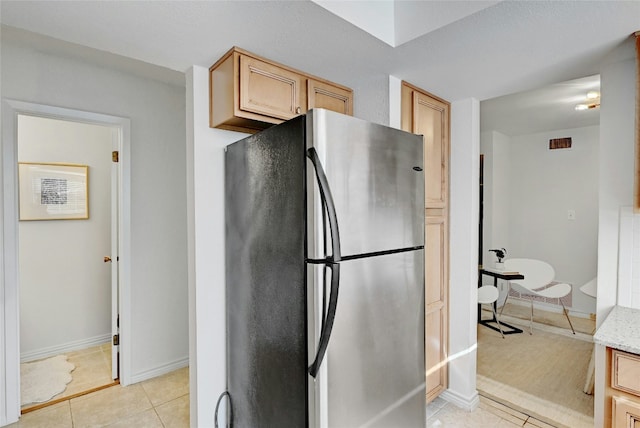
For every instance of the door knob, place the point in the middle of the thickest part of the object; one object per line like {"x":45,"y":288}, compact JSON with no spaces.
{"x":107,"y":259}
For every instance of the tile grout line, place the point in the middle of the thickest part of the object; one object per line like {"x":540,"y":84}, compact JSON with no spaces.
{"x":153,"y":406}
{"x":159,"y":418}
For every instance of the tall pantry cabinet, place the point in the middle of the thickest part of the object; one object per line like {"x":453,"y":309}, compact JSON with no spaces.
{"x":423,"y":113}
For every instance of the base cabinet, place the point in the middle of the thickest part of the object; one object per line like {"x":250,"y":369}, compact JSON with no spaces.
{"x":625,"y":412}
{"x":622,"y":389}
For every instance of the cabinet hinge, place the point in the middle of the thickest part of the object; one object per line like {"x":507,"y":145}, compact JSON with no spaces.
{"x":115,"y":156}
{"x":116,"y":339}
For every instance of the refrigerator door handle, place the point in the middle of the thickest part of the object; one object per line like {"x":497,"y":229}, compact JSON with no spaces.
{"x":327,"y":201}
{"x":327,"y":326}
{"x":229,"y":423}
{"x":331,"y":262}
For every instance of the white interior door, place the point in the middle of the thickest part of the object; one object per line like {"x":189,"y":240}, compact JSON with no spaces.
{"x":115,"y":256}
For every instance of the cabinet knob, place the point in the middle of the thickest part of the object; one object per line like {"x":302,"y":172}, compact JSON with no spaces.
{"x":107,"y":259}
{"x":298,"y":110}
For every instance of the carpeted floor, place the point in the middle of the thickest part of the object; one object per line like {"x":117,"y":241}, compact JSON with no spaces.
{"x":541,"y":374}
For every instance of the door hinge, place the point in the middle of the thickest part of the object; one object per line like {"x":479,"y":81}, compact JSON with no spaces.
{"x":115,"y":157}
{"x":116,"y":339}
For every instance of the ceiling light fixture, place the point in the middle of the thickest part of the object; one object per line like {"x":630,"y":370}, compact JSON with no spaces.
{"x":593,"y":101}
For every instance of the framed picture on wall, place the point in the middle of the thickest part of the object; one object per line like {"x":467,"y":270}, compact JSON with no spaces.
{"x":53,"y":191}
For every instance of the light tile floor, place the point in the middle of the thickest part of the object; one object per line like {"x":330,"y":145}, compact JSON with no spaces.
{"x":163,"y":402}
{"x":489,"y":414}
{"x":159,"y":402}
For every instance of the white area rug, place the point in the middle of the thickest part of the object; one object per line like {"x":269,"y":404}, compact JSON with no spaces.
{"x":42,"y":380}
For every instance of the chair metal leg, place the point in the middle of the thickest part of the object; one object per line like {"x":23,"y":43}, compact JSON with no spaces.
{"x":505,"y":299}
{"x":566,"y":314}
{"x":497,"y":321}
{"x":531,"y":319}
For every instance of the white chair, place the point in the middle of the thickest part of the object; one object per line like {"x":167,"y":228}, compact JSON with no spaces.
{"x":537,"y":274}
{"x":487,"y":295}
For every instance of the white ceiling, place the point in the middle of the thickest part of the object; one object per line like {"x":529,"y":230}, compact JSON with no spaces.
{"x":397,"y":22}
{"x":482,"y":51}
{"x":546,"y":109}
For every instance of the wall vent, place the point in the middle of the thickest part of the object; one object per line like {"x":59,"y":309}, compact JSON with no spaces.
{"x":560,"y":143}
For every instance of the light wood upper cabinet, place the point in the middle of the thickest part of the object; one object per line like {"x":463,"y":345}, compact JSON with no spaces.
{"x":428,"y":115}
{"x":269,"y":90}
{"x":331,"y":97}
{"x":249,"y":93}
{"x":432,"y":122}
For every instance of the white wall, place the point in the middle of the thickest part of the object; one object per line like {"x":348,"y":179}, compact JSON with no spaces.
{"x":63,"y":278}
{"x":529,"y":191}
{"x":205,"y":197}
{"x":463,"y":252}
{"x":40,"y":70}
{"x":496,"y":148}
{"x":544,"y":185}
{"x":629,"y":263}
{"x":616,"y":173}
{"x":617,"y":119}
{"x":371,"y":100}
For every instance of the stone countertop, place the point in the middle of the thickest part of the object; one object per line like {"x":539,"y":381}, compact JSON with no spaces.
{"x":620,"y":330}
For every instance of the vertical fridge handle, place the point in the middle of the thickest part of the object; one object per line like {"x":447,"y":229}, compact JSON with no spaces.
{"x":229,"y":423}
{"x":332,"y":263}
{"x":327,"y":201}
{"x":328,"y":322}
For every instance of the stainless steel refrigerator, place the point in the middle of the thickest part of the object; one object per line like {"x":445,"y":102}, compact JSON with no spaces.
{"x":325,"y":275}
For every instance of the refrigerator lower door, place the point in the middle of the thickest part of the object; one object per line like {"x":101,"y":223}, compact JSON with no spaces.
{"x":373,"y":374}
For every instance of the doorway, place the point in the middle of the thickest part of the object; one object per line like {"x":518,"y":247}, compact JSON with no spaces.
{"x":65,"y":257}
{"x":542,"y":204}
{"x":62,"y":251}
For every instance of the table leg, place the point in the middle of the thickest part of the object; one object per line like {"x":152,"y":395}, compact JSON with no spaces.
{"x":513,"y":330}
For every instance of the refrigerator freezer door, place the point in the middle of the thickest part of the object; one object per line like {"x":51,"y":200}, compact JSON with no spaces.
{"x":373,"y":374}
{"x":376,"y":179}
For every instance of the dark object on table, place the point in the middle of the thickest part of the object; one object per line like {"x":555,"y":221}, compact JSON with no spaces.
{"x":500,"y":253}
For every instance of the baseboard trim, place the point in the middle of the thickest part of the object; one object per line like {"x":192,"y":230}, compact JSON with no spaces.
{"x":64,"y":348}
{"x":160,"y":370}
{"x":466,"y":403}
{"x":549,"y":307}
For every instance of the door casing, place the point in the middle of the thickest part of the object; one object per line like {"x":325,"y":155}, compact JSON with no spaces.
{"x":9,"y":298}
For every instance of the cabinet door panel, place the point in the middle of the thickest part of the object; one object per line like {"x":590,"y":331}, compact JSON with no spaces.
{"x":626,"y":413}
{"x":434,"y":260}
{"x":323,"y":95}
{"x":626,"y":372}
{"x":436,"y":379}
{"x":431,"y":120}
{"x":436,"y":305}
{"x":269,"y":90}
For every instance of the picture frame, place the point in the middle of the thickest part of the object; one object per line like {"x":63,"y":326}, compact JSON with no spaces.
{"x":53,"y":191}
